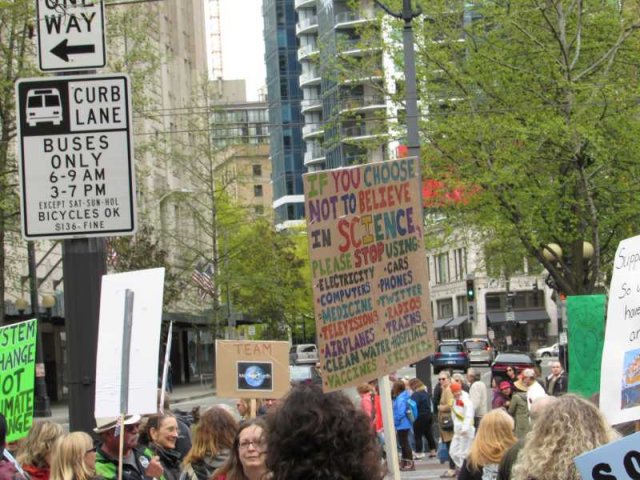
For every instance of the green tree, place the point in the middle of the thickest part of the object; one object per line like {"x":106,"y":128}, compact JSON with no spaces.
{"x":17,"y":55}
{"x":533,"y":113}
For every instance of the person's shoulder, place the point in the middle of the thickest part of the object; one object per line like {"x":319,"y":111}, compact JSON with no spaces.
{"x":7,"y":470}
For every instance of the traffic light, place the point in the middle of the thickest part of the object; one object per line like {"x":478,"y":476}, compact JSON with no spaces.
{"x":471,"y":313}
{"x":471,"y":291}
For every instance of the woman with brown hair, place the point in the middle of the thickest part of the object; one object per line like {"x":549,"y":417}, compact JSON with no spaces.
{"x":212,"y":443}
{"x":36,"y":454}
{"x":494,"y":438}
{"x":248,"y":454}
{"x":159,"y":435}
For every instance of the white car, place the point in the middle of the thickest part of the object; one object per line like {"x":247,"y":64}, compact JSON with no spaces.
{"x":546,"y":352}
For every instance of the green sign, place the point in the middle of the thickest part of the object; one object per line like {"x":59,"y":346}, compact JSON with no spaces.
{"x":17,"y":365}
{"x":586,"y":338}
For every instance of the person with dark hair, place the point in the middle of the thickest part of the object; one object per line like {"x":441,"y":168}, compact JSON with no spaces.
{"x":8,"y":470}
{"x":423,"y":425}
{"x":400,"y":395}
{"x":159,"y":435}
{"x":318,"y":436}
{"x":247,"y":458}
{"x":184,"y":419}
{"x":212,"y":443}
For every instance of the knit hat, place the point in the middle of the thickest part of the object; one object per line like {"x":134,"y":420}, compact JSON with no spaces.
{"x":504,"y":385}
{"x":455,"y":387}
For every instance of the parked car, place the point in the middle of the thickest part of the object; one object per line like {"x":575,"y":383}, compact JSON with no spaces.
{"x":305,"y":353}
{"x":546,"y":352}
{"x":450,"y":354}
{"x":519,"y":361}
{"x":304,"y":375}
{"x":480,"y":350}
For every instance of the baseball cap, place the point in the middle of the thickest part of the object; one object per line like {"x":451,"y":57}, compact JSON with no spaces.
{"x":455,"y":387}
{"x":107,"y":423}
{"x":504,"y":385}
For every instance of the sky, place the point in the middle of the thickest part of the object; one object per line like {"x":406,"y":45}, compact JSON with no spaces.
{"x":243,"y":44}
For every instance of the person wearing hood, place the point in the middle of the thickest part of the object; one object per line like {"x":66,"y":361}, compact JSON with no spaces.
{"x":212,"y":444}
{"x":160,"y":434}
{"x":35,"y":456}
{"x":400,"y":396}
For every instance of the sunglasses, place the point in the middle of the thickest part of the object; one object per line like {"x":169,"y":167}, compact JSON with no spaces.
{"x":91,"y":450}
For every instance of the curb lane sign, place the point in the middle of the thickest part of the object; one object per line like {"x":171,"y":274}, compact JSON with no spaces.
{"x":75,"y":156}
{"x":71,"y":34}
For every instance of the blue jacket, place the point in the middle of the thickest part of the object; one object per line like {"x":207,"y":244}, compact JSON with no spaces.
{"x":400,"y":419}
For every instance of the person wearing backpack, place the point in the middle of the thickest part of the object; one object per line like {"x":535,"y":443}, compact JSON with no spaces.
{"x":400,"y":397}
{"x":423,"y":424}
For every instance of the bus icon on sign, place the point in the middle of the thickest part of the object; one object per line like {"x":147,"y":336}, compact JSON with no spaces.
{"x":44,"y":106}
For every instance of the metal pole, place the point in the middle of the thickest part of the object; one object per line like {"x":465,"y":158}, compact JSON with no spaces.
{"x":129,"y":296}
{"x":41,"y":407}
{"x":84,"y":263}
{"x":411,"y":100}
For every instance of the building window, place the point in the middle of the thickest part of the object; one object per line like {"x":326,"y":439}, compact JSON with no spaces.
{"x":257,"y":190}
{"x":257,"y":170}
{"x":445,"y":308}
{"x":442,"y":268}
{"x":460,"y":263}
{"x":258,"y":209}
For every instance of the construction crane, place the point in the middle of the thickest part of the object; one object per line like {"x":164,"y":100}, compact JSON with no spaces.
{"x":215,"y":39}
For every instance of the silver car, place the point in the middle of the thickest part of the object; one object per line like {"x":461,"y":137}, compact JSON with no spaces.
{"x":480,"y":350}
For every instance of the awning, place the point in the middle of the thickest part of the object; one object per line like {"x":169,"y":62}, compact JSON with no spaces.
{"x":457,"y":321}
{"x":441,"y":323}
{"x":520,"y":316}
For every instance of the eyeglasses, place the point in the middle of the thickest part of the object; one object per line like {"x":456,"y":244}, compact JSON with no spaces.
{"x":257,"y":444}
{"x":91,"y":450}
{"x":442,"y":379}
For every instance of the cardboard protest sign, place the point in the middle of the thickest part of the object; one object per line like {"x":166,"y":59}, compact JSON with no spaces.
{"x":586,"y":330}
{"x":252,"y":369}
{"x":147,"y":288}
{"x":17,"y":368}
{"x":620,"y":379}
{"x":616,"y":460}
{"x":368,"y":266}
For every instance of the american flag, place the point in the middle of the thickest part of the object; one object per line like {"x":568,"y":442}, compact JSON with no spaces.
{"x":201,"y":276}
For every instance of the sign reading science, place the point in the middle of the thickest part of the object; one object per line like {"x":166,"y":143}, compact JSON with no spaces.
{"x":368,"y":270}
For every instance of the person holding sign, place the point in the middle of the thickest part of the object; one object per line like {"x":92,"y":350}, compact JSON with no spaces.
{"x":160,"y":434}
{"x":135,"y":465}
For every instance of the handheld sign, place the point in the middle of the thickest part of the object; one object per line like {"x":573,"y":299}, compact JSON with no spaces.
{"x":368,"y":270}
{"x":618,"y":460}
{"x":17,"y":368}
{"x":75,"y":153}
{"x":142,"y":382}
{"x":71,"y":35}
{"x":257,"y":369}
{"x":620,"y":371}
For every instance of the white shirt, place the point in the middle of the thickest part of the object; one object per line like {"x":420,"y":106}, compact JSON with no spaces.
{"x":534,"y":392}
{"x":478,"y":394}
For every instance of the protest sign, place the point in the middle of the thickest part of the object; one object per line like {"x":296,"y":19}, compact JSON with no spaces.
{"x":620,"y":378}
{"x":147,"y":288}
{"x":586,"y":330}
{"x":17,"y":368}
{"x":368,"y":267}
{"x":618,"y":460}
{"x":252,"y":369}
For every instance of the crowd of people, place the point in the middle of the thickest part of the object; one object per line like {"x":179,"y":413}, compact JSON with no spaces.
{"x":528,"y":429}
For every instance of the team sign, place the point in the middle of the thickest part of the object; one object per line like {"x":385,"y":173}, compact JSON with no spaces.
{"x":17,"y":364}
{"x":368,"y":269}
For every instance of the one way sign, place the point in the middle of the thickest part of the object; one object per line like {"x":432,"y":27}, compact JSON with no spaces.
{"x":71,"y":34}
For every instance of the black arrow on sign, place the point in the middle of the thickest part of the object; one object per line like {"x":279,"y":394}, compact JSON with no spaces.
{"x":63,"y":50}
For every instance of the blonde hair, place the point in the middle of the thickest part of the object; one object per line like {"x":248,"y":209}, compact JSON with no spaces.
{"x":68,"y":457}
{"x":495,"y":436}
{"x":573,"y":426}
{"x":39,"y":443}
